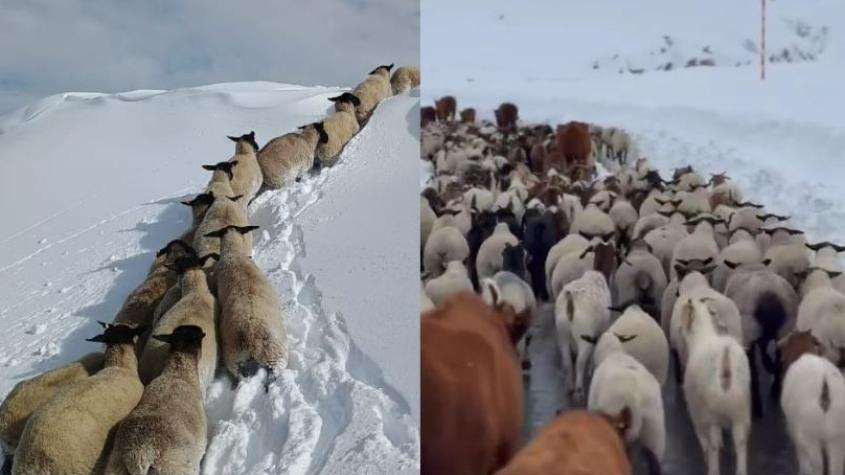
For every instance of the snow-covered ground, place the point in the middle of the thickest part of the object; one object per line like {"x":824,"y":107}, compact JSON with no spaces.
{"x":782,"y":140}
{"x":91,"y":189}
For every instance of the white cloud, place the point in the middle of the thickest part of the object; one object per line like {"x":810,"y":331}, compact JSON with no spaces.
{"x":48,"y":47}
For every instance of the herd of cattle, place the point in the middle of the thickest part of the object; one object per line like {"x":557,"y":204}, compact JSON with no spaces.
{"x":138,"y":407}
{"x":639,"y":270}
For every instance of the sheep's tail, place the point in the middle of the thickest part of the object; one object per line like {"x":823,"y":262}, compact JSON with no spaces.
{"x":824,"y":397}
{"x":570,"y":305}
{"x":726,"y":372}
{"x":643,"y":281}
{"x":135,"y":462}
{"x":825,"y":460}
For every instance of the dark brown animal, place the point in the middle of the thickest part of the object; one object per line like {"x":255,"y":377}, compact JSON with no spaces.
{"x":796,"y":344}
{"x":446,"y":107}
{"x":472,"y":394}
{"x":573,"y":141}
{"x":468,"y":116}
{"x":506,"y":117}
{"x":427,"y":115}
{"x":574,"y":443}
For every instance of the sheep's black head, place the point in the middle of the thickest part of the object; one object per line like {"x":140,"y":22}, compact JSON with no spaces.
{"x":247,"y":138}
{"x":202,"y":199}
{"x":223,"y":166}
{"x":116,"y":334}
{"x":513,"y":259}
{"x":386,"y":67}
{"x":183,"y":337}
{"x":192,"y":261}
{"x":174,"y":251}
{"x":222,"y":231}
{"x":347,"y":97}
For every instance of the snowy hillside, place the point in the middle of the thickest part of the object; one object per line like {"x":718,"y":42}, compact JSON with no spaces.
{"x":91,"y":190}
{"x":466,"y":42}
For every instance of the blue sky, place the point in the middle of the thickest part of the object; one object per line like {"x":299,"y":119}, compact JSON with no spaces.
{"x":48,"y":46}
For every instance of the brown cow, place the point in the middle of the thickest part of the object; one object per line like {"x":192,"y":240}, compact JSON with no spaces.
{"x":574,"y":443}
{"x":446,"y":107}
{"x":427,"y":115}
{"x":573,"y":141}
{"x":468,"y":116}
{"x":472,"y":396}
{"x":506,"y":116}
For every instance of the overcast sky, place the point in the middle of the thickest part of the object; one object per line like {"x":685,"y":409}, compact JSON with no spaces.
{"x":50,"y":46}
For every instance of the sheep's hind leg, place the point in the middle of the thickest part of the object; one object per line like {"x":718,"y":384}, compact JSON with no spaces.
{"x":739,"y":431}
{"x":7,"y":464}
{"x":756,"y":403}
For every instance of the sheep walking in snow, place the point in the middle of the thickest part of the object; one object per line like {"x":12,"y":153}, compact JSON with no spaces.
{"x":371,"y":91}
{"x":29,"y":394}
{"x":454,"y":280}
{"x":340,"y":127}
{"x":224,"y":211}
{"x":72,"y":432}
{"x":404,"y":79}
{"x":166,"y":432}
{"x":638,"y":335}
{"x":196,"y":306}
{"x":289,"y":157}
{"x":247,"y":177}
{"x":252,"y":336}
{"x":444,"y":245}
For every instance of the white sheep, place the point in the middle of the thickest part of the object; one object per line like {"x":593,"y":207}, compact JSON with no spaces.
{"x":582,"y":314}
{"x":427,"y":218}
{"x":224,"y":211}
{"x":251,"y":332}
{"x":699,"y":245}
{"x":813,"y":402}
{"x":444,"y":245}
{"x":787,"y":252}
{"x":404,"y":79}
{"x":640,"y":336}
{"x":371,"y":91}
{"x":489,"y":258}
{"x":716,"y":386}
{"x":248,"y":176}
{"x":454,"y":280}
{"x":822,"y":312}
{"x":592,"y":222}
{"x":622,"y":386}
{"x":570,"y":244}
{"x":289,"y":157}
{"x":29,"y":394}
{"x":196,"y":306}
{"x":71,"y":433}
{"x":166,"y":432}
{"x":742,"y":249}
{"x":340,"y":127}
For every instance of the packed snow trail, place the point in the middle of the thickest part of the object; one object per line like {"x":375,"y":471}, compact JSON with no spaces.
{"x":110,"y":171}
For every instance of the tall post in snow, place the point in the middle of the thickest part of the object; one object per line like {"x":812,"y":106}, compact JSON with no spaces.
{"x":763,"y":40}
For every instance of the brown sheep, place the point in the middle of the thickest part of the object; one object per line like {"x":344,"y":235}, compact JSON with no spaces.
{"x":427,"y":115}
{"x":472,"y":398}
{"x":506,"y":116}
{"x":446,"y":107}
{"x":573,"y":141}
{"x":468,"y":116}
{"x":575,"y":443}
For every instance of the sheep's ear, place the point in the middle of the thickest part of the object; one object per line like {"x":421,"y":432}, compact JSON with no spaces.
{"x":389,"y":67}
{"x":731,"y":264}
{"x":233,"y":139}
{"x":210,"y":167}
{"x":212,"y":255}
{"x":97,"y":339}
{"x":235,"y":198}
{"x":767,"y":261}
{"x":219,"y":233}
{"x":707,"y":270}
{"x":793,"y":232}
{"x":619,"y":309}
{"x":335,"y":99}
{"x":494,"y":293}
{"x":681,"y":271}
{"x":245,"y":229}
{"x":833,"y":274}
{"x":354,"y":99}
{"x":589,"y":339}
{"x":165,"y":338}
{"x":625,"y":338}
{"x":105,"y":325}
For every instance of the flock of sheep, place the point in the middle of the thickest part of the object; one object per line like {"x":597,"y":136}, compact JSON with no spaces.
{"x":637,"y":268}
{"x":137,"y":407}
